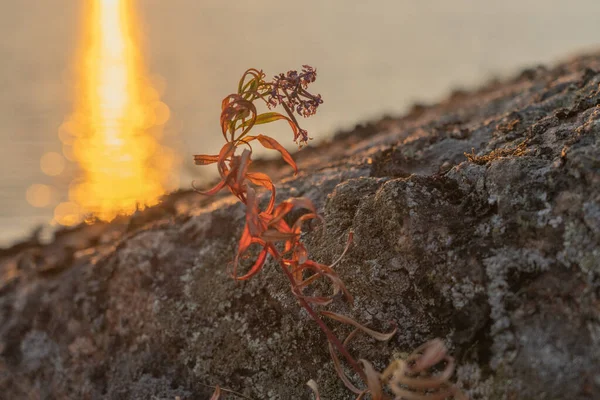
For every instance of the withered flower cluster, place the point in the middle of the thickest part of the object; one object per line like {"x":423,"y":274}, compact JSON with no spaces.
{"x":290,"y":91}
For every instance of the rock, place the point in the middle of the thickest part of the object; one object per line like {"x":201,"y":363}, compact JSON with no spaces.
{"x":496,"y":251}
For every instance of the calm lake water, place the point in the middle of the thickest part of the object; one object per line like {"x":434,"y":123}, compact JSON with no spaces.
{"x":373,"y":58}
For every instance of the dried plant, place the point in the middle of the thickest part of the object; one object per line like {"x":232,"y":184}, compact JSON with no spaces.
{"x":271,"y":230}
{"x":416,"y":378}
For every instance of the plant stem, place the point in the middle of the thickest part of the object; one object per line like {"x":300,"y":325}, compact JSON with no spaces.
{"x":332,"y":338}
{"x":330,"y":335}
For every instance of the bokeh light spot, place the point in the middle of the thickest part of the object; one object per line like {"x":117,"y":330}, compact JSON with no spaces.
{"x":68,"y":214}
{"x":52,"y":164}
{"x":162,"y":113}
{"x":39,"y":195}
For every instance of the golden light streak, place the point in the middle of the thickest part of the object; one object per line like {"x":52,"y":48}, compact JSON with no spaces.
{"x":114,"y":132}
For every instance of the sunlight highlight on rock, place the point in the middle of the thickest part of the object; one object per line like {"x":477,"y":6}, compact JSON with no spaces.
{"x":113,"y":135}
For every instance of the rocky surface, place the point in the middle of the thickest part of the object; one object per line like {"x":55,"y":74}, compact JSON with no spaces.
{"x":496,"y":252}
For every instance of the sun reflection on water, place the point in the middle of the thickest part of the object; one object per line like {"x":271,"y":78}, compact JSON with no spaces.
{"x":114,"y":133}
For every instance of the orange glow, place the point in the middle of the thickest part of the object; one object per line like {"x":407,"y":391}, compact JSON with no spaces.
{"x":113,"y":133}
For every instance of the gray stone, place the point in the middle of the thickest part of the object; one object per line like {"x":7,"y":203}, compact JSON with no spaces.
{"x":498,"y":253}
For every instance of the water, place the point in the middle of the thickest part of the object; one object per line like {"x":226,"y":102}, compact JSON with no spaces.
{"x":373,"y":58}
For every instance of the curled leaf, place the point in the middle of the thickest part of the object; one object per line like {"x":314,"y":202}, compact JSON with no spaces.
{"x":236,"y":108}
{"x":288,"y":205}
{"x":270,"y":143}
{"x":256,"y":225}
{"x":256,"y":267}
{"x":281,"y":211}
{"x":211,"y":191}
{"x":346,"y":320}
{"x":418,"y":377}
{"x":256,"y":77}
{"x":260,"y":179}
{"x":243,"y":166}
{"x":324,"y":270}
{"x":274,"y":235}
{"x":226,"y":152}
{"x":245,"y":241}
{"x":320,"y":301}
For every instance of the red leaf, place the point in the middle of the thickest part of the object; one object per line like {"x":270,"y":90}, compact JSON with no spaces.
{"x":245,"y":241}
{"x":286,"y":206}
{"x":282,"y":226}
{"x":281,"y":211}
{"x":297,"y":227}
{"x":228,"y":100}
{"x":271,"y":143}
{"x":302,"y":202}
{"x":258,"y":264}
{"x":338,"y":284}
{"x":273,"y":235}
{"x":226,"y":151}
{"x":234,"y":108}
{"x":227,"y":113}
{"x":212,"y":191}
{"x":260,"y":179}
{"x":203,"y":159}
{"x":300,"y":253}
{"x":243,"y":167}
{"x":255,"y":224}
